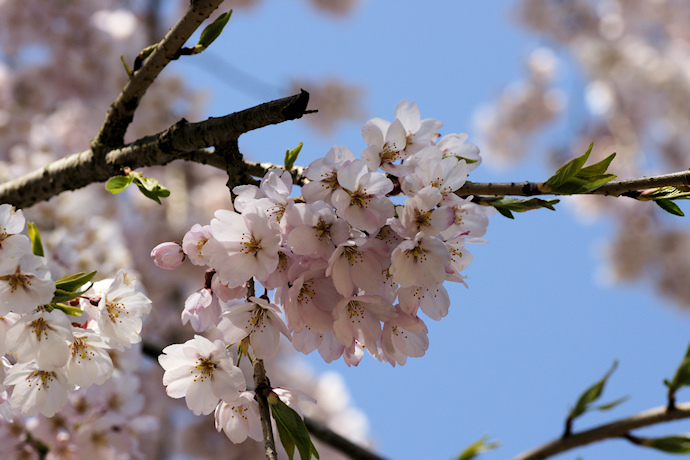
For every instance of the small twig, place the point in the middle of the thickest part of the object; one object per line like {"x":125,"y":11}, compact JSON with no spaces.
{"x":262,"y":388}
{"x":122,"y":110}
{"x":617,"y":429}
{"x":333,"y":439}
{"x":613,"y":188}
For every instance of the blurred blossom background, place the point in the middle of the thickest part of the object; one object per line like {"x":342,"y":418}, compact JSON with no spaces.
{"x":553,"y":299}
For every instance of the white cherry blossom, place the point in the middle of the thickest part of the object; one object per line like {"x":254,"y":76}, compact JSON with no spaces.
{"x":239,"y":419}
{"x":41,"y":336}
{"x":37,"y":390}
{"x":25,"y":284}
{"x":202,"y":372}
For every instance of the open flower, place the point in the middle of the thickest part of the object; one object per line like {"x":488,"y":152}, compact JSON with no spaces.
{"x":202,"y":372}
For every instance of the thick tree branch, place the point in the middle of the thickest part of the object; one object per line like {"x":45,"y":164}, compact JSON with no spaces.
{"x":121,"y":111}
{"x":616,"y":429}
{"x":183,"y":140}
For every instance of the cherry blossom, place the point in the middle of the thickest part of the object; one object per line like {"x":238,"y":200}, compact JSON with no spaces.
{"x":239,"y":419}
{"x":257,"y":319}
{"x":323,"y":174}
{"x":168,"y":255}
{"x":420,"y":262}
{"x":41,"y":336}
{"x":37,"y":390}
{"x":202,"y":372}
{"x":25,"y":283}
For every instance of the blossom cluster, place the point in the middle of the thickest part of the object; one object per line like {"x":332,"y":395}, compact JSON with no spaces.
{"x":350,"y":263}
{"x":55,"y":348}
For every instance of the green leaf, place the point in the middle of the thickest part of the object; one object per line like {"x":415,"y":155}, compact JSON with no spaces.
{"x":62,"y":296}
{"x":35,"y":237}
{"x":67,"y":309}
{"x":596,"y":169}
{"x":73,"y":282}
{"x":118,"y":183}
{"x":505,"y":205}
{"x":577,"y":184}
{"x":568,"y":170}
{"x":292,"y":430}
{"x":669,"y":206}
{"x":476,"y":448}
{"x":612,"y":404}
{"x":127,"y":69}
{"x":291,"y":156}
{"x":592,"y":394}
{"x":669,"y":192}
{"x":572,"y":178}
{"x":212,"y":31}
{"x":673,"y":444}
{"x":682,"y":375}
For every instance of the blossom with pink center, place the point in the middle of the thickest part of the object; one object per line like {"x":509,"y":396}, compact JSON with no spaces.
{"x":240,"y":418}
{"x":243,"y":245}
{"x":362,"y":201}
{"x":194,"y":241}
{"x":356,"y":264}
{"x":323,"y":174}
{"x":257,"y":319}
{"x":420,"y":214}
{"x":37,"y":390}
{"x":470,"y":218}
{"x":359,"y":319}
{"x":420,"y":262}
{"x":315,"y":229}
{"x":202,"y":372}
{"x":309,"y":301}
{"x":25,"y":284}
{"x":168,"y":256}
{"x":430,"y":168}
{"x":43,"y":337}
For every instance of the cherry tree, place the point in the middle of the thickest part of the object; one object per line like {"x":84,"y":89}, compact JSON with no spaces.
{"x":347,"y":256}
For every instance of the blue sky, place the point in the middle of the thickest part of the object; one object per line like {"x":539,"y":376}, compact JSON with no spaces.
{"x":536,"y":327}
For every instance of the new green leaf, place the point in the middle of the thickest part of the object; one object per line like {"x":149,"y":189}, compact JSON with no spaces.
{"x":679,"y":444}
{"x":476,"y":448}
{"x":292,"y":430}
{"x":35,"y":237}
{"x":212,"y":31}
{"x":682,"y":375}
{"x":670,"y":207}
{"x":506,"y":206}
{"x":73,"y":282}
{"x":592,"y":394}
{"x":291,"y":156}
{"x":568,"y":170}
{"x":118,"y":183}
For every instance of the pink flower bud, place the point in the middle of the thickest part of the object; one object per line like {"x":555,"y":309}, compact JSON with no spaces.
{"x":168,"y":255}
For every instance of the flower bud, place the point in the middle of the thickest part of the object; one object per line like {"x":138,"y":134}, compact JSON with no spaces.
{"x":168,"y":255}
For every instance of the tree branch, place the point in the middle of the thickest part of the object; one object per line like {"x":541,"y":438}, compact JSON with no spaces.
{"x":262,"y":388}
{"x":341,"y":444}
{"x":183,"y":140}
{"x":616,"y":429}
{"x":630,"y":187}
{"x":121,"y":111}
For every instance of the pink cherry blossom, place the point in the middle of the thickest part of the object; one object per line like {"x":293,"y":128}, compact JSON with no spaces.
{"x":359,"y":319}
{"x":244,"y":245}
{"x":168,"y":256}
{"x":323,"y":174}
{"x":239,"y":419}
{"x":362,"y":201}
{"x":420,"y":262}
